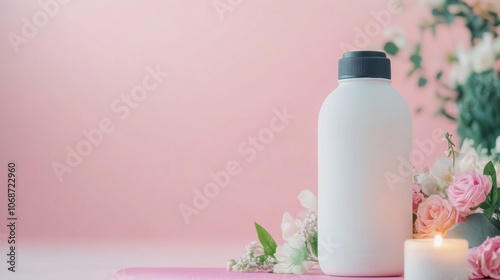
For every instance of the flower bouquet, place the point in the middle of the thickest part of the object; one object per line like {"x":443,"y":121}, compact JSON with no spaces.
{"x":457,"y":197}
{"x":298,"y":254}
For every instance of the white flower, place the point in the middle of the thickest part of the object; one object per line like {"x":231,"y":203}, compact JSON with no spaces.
{"x":497,"y":145}
{"x":432,"y":3}
{"x":230,"y":264}
{"x":292,"y":257}
{"x":471,"y":158}
{"x":429,"y":185}
{"x":467,"y":162}
{"x":460,"y":69}
{"x":483,"y":54}
{"x":309,"y":227}
{"x":308,"y":200}
{"x":396,"y":35}
{"x":496,"y":45}
{"x":252,"y":260}
{"x":289,"y":226}
{"x":441,"y":171}
{"x":467,"y":158}
{"x":418,"y":178}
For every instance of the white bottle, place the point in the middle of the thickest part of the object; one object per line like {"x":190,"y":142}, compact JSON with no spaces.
{"x":365,"y":170}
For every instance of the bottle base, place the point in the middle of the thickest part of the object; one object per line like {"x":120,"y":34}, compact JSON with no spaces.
{"x":364,"y":267}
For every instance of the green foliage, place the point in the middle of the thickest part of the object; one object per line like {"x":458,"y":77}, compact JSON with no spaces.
{"x":451,"y":148}
{"x":391,"y":48}
{"x":266,"y":240}
{"x":444,"y":14}
{"x":416,"y":58}
{"x":439,"y":75}
{"x":492,"y":202}
{"x":478,"y":100}
{"x":422,"y":82}
{"x":479,"y":109}
{"x":314,"y":244}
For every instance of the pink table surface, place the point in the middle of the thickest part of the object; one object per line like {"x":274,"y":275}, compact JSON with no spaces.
{"x":221,"y":274}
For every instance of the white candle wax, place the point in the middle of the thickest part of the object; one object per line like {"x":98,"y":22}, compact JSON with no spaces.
{"x":430,"y":259}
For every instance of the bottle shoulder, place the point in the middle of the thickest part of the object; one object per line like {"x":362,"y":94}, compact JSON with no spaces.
{"x":365,"y":96}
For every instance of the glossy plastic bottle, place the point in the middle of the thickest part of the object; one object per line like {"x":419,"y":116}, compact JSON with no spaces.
{"x":364,"y":168}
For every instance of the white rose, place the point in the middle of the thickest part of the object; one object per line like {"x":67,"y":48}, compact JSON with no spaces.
{"x":483,"y":54}
{"x":308,"y":200}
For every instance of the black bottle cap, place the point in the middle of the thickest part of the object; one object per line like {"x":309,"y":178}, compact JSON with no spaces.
{"x":364,"y":64}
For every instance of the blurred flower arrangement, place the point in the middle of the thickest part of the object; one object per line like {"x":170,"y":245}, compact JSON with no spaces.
{"x":472,"y":80}
{"x":459,"y":197}
{"x":299,"y":253}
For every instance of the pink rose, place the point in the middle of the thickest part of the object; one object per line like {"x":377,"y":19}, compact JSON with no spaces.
{"x":485,"y":260}
{"x":468,"y":190}
{"x":418,"y":196}
{"x":434,"y":214}
{"x":475,"y":263}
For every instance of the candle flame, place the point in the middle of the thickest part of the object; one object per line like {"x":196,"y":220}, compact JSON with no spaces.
{"x":438,"y":240}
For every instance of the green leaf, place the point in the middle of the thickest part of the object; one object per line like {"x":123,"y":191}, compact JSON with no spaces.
{"x":266,"y":240}
{"x":488,"y":213}
{"x":416,"y":59}
{"x":442,"y":111}
{"x":485,"y":205}
{"x":422,"y":82}
{"x":391,"y":48}
{"x":489,"y":170}
{"x":436,"y":12}
{"x":475,"y":230}
{"x":314,"y":244}
{"x":439,"y":75}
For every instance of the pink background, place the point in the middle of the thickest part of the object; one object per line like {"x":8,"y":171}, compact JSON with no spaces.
{"x":225,"y":78}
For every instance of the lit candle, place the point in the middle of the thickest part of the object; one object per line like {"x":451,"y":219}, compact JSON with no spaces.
{"x":436,"y":259}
